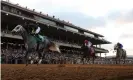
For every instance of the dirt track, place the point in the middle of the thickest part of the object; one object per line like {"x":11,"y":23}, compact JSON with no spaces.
{"x":67,"y":72}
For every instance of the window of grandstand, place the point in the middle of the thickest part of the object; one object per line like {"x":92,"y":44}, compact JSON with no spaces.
{"x":88,"y":34}
{"x":98,"y":46}
{"x":94,"y":45}
{"x":59,"y":24}
{"x":13,"y":10}
{"x":69,"y":28}
{"x":44,"y":20}
{"x":6,"y":8}
{"x":101,"y":38}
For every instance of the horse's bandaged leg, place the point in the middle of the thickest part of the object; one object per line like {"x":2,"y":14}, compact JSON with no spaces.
{"x":31,"y":62}
{"x":40,"y":61}
{"x":29,"y":58}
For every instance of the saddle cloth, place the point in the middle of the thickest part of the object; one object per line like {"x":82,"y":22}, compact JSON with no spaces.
{"x":92,"y":51}
{"x":40,"y":38}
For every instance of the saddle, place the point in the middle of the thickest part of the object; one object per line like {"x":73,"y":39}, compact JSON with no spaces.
{"x":39,"y":38}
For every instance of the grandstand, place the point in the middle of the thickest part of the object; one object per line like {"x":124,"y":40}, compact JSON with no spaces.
{"x":68,"y":36}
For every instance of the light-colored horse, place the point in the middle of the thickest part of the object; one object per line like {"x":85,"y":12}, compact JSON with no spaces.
{"x":120,"y":54}
{"x":30,"y":43}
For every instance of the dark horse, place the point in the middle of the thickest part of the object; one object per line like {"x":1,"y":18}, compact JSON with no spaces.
{"x":88,"y":53}
{"x":30,"y":42}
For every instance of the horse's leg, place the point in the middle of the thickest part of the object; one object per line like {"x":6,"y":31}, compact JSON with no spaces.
{"x":31,"y":61}
{"x":26,"y":62}
{"x":26,"y":58}
{"x":119,"y":60}
{"x":39,"y":61}
{"x":121,"y":57}
{"x":124,"y":60}
{"x":88,"y":60}
{"x":53,"y":61}
{"x":124,"y":57}
{"x":93,"y":59}
{"x":117,"y":57}
{"x":82,"y":60}
{"x":85,"y":60}
{"x":116,"y":60}
{"x":40,"y":58}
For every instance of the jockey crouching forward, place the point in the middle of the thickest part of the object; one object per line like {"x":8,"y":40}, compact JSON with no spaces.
{"x":90,"y":46}
{"x":35,"y":31}
{"x":88,"y":43}
{"x":120,"y":46}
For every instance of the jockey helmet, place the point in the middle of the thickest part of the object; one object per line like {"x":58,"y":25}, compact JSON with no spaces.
{"x":86,"y":41}
{"x":118,"y":43}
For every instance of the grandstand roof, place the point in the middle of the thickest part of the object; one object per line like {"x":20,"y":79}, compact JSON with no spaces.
{"x":50,"y":18}
{"x":13,"y":17}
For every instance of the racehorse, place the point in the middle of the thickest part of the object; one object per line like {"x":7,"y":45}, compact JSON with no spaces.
{"x":30,"y":42}
{"x":120,"y":54}
{"x":87,"y":54}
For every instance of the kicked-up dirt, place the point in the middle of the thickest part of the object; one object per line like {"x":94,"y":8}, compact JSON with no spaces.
{"x":66,"y":72}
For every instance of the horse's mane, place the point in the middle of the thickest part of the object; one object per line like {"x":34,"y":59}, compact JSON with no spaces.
{"x":26,"y":27}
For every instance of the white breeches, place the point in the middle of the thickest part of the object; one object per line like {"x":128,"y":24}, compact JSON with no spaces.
{"x":37,"y":30}
{"x":89,"y":44}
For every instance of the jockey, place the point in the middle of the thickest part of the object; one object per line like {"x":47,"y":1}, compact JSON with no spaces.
{"x":120,"y":45}
{"x":35,"y":31}
{"x":88,"y":43}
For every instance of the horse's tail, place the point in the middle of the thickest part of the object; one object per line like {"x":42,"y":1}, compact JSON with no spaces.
{"x":54,"y":47}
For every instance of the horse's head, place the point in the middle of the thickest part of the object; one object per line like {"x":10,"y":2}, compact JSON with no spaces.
{"x":116,"y":47}
{"x":18,"y":29}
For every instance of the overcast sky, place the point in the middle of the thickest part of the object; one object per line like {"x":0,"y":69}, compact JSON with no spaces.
{"x":111,"y":18}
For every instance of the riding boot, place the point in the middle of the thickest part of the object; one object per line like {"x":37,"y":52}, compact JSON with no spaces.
{"x":37,"y":35}
{"x":37,"y":46}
